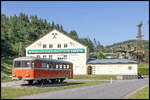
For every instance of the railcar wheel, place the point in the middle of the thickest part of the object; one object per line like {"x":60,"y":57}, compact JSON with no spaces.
{"x":39,"y":81}
{"x":53,"y":80}
{"x":61,"y":80}
{"x":30,"y":82}
{"x":46,"y":81}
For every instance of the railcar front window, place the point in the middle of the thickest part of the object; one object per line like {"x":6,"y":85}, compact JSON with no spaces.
{"x":32,"y":64}
{"x":21,"y":64}
{"x":17,"y":64}
{"x":25,"y":64}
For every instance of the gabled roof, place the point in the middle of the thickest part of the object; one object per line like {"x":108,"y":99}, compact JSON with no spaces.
{"x":110,"y":61}
{"x":58,"y":31}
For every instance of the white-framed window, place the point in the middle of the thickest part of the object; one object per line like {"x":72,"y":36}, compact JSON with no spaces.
{"x":44,"y":45}
{"x":130,"y":67}
{"x":99,"y":68}
{"x":65,"y":45}
{"x":38,"y":56}
{"x":44,"y":56}
{"x":50,"y":56}
{"x":59,"y":46}
{"x":50,"y":46}
{"x":60,"y":57}
{"x":110,"y":68}
{"x":65,"y":57}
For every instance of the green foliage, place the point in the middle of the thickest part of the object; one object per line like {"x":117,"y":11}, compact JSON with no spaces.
{"x":143,"y":70}
{"x":6,"y":68}
{"x":132,"y":44}
{"x":100,"y":55}
{"x":16,"y":29}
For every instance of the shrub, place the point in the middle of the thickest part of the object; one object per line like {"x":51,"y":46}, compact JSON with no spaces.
{"x":143,"y":70}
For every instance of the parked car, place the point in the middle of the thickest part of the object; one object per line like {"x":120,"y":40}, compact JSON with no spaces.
{"x":140,"y":76}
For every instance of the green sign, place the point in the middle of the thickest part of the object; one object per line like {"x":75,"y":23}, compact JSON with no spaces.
{"x":45,"y":51}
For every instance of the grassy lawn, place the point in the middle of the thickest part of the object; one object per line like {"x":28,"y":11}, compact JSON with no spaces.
{"x":15,"y":92}
{"x":141,"y":94}
{"x":143,"y":65}
{"x":95,"y":77}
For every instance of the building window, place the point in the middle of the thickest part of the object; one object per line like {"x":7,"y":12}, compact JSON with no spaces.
{"x":44,"y":56}
{"x":50,"y":46}
{"x":130,"y":67}
{"x":110,"y":68}
{"x":65,"y":57}
{"x":44,"y":45}
{"x":65,"y":45}
{"x":38,"y":56}
{"x":50,"y":56}
{"x":59,"y":46}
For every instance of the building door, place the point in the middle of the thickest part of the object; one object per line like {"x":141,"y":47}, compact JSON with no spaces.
{"x":89,"y":70}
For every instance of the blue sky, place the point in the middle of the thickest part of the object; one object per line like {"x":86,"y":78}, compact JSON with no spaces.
{"x":107,"y":21}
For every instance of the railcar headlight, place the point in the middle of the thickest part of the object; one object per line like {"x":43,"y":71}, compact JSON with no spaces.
{"x":14,"y":75}
{"x":27,"y":71}
{"x":27,"y":75}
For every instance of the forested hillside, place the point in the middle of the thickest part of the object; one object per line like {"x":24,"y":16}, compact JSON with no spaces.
{"x":132,"y":43}
{"x":26,"y":29}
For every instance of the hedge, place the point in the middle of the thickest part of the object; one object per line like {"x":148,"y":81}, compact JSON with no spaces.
{"x":143,"y":70}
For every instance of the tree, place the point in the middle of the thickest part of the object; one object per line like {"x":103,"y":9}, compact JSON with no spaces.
{"x":61,"y":29}
{"x":73,"y":34}
{"x":57,"y":27}
{"x":53,"y":25}
{"x":100,"y":55}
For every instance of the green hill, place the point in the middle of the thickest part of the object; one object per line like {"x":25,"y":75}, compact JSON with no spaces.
{"x":124,"y":44}
{"x":132,"y":43}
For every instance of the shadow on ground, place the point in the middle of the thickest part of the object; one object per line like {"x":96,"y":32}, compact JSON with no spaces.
{"x":44,"y":85}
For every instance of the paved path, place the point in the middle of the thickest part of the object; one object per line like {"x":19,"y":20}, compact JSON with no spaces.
{"x":117,"y":90}
{"x":12,"y":83}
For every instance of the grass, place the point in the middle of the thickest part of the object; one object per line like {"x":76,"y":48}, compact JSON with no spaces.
{"x":143,"y":65}
{"x":95,"y":77}
{"x":15,"y":92}
{"x":141,"y":94}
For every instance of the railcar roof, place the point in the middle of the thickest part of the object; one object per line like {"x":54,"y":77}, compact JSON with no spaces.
{"x":109,"y":61}
{"x":44,"y":59}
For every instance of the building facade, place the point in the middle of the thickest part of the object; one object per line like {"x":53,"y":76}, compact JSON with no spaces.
{"x":112,"y":67}
{"x":57,"y":45}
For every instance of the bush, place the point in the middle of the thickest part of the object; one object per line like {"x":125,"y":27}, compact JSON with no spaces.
{"x":143,"y":70}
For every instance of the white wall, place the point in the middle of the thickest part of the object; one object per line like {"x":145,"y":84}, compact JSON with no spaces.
{"x":115,"y":69}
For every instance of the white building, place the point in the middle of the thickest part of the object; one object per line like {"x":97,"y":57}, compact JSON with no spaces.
{"x":56,"y":45}
{"x":112,"y":67}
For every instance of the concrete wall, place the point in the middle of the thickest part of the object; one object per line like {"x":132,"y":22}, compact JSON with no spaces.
{"x":78,"y":59}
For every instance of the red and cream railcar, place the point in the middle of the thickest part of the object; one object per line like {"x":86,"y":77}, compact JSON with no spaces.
{"x":38,"y":69}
